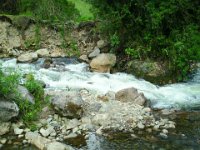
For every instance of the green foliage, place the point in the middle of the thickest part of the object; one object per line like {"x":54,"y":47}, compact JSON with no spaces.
{"x":34,"y":87}
{"x":159,"y":29}
{"x":8,"y":84}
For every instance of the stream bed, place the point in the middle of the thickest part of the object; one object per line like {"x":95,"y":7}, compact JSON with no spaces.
{"x":184,"y":97}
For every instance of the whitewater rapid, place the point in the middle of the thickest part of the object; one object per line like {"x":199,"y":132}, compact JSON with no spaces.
{"x":77,"y":76}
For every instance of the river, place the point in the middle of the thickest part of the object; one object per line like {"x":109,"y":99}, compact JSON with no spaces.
{"x":70,"y":74}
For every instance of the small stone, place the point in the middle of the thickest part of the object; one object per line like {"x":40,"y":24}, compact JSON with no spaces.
{"x":140,"y":125}
{"x":18,"y":131}
{"x":147,"y":109}
{"x":47,"y":132}
{"x":20,"y":136}
{"x":84,"y":58}
{"x":1,"y":145}
{"x":3,"y":141}
{"x":27,"y":130}
{"x":53,"y":134}
{"x":156,"y":127}
{"x":24,"y":141}
{"x":165,"y":131}
{"x":101,"y":44}
{"x":163,"y":135}
{"x":72,"y":135}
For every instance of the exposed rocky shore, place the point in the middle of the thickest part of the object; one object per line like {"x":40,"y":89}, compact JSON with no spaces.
{"x":72,"y":112}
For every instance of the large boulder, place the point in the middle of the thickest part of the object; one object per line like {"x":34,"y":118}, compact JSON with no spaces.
{"x":68,"y":104}
{"x":27,"y":57}
{"x":130,"y":95}
{"x":103,"y":62}
{"x":8,"y":110}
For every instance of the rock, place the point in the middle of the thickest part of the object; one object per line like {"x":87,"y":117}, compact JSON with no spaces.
{"x":71,"y":135}
{"x":103,"y":62}
{"x":4,"y":127}
{"x":43,"y":52}
{"x":25,"y":94}
{"x":58,"y":146}
{"x":18,"y":131}
{"x":149,"y":70}
{"x":27,"y":57}
{"x":37,"y":140}
{"x":8,"y":110}
{"x":57,"y":53}
{"x":140,"y":125}
{"x":101,"y":44}
{"x":47,"y":132}
{"x":47,"y":63}
{"x":73,"y":123}
{"x":84,"y":58}
{"x":163,"y":135}
{"x":3,"y":141}
{"x":95,"y":53}
{"x":165,"y":131}
{"x":68,"y":104}
{"x":130,"y":95}
{"x":1,"y":145}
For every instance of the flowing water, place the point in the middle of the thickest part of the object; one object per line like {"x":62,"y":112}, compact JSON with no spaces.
{"x":69,"y":74}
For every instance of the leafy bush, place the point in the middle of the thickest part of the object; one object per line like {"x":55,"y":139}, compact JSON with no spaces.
{"x":167,"y":30}
{"x":8,"y":84}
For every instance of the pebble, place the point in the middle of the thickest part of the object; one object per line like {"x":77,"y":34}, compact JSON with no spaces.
{"x":140,"y":125}
{"x":24,"y":141}
{"x":3,"y":141}
{"x":165,"y":131}
{"x":163,"y":135}
{"x":18,"y":131}
{"x":20,"y":136}
{"x":1,"y":145}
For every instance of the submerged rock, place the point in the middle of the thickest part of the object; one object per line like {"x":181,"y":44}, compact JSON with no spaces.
{"x":103,"y":62}
{"x":130,"y":95}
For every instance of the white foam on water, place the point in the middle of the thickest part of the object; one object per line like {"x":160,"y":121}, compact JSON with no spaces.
{"x":77,"y":76}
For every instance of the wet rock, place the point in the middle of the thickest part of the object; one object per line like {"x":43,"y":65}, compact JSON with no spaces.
{"x":27,"y":57}
{"x":4,"y":127}
{"x":68,"y":104}
{"x":8,"y":110}
{"x":47,"y":63}
{"x":43,"y":52}
{"x":130,"y":95}
{"x":165,"y":131}
{"x":103,"y":62}
{"x":163,"y":135}
{"x":95,"y":53}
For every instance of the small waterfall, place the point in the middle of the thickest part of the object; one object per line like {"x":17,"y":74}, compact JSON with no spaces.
{"x":73,"y":75}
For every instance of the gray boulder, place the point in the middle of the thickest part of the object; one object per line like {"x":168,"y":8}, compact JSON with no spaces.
{"x":68,"y":104}
{"x":130,"y":95}
{"x":8,"y":110}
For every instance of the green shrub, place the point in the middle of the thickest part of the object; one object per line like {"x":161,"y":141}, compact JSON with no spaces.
{"x":158,"y":30}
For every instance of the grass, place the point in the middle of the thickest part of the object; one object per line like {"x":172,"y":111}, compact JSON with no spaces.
{"x":84,"y":9}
